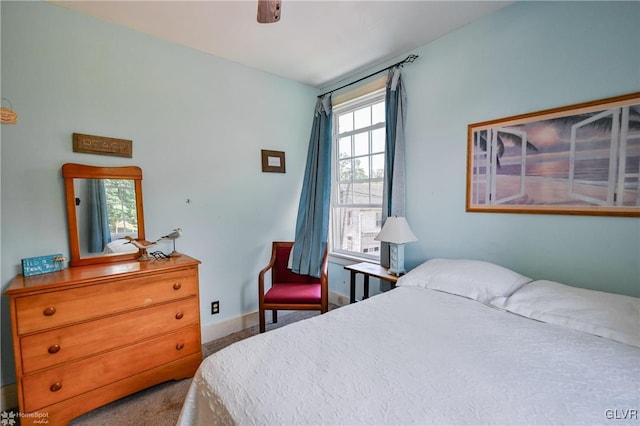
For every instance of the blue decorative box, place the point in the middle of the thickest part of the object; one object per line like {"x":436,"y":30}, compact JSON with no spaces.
{"x":42,"y":264}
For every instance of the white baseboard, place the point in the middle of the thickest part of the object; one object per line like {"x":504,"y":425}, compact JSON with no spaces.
{"x":224,"y":328}
{"x":338,"y":299}
{"x":8,"y":397}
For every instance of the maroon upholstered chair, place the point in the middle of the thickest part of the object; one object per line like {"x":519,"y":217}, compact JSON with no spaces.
{"x":290,"y":291}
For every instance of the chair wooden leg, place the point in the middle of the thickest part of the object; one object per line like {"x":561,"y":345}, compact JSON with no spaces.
{"x":274,"y":316}
{"x":263,"y":327}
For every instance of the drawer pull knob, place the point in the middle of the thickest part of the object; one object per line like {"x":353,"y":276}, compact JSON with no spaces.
{"x":55,"y":387}
{"x":177,"y":286}
{"x":49,"y":311}
{"x":179,"y":315}
{"x":179,"y":346}
{"x":54,"y":349}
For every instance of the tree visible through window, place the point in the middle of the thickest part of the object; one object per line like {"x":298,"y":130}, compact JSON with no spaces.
{"x":121,"y":207}
{"x":359,"y":152}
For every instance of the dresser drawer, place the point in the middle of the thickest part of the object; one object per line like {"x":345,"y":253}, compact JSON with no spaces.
{"x":57,"y":308}
{"x":49,"y":348}
{"x":57,"y":384}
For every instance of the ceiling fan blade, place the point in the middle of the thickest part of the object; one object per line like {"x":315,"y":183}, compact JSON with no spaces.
{"x":268,"y":11}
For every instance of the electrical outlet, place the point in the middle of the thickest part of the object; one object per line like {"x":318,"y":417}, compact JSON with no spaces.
{"x":215,"y":307}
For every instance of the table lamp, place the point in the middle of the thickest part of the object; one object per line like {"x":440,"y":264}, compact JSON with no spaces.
{"x":396,"y":232}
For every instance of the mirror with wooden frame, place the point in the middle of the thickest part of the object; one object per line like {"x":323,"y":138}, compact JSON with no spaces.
{"x":104,"y":205}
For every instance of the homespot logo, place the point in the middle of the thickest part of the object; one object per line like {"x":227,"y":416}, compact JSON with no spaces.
{"x":10,"y":418}
{"x":621,"y":414}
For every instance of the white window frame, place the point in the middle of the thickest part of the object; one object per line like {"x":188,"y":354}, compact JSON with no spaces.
{"x":338,"y":255}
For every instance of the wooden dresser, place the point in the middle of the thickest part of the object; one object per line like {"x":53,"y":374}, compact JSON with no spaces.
{"x":89,"y":335}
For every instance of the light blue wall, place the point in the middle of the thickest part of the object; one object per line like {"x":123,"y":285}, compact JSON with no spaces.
{"x":197,"y":123}
{"x":524,"y":58}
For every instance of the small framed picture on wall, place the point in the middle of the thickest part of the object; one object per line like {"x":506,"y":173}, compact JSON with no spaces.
{"x":273,"y":161}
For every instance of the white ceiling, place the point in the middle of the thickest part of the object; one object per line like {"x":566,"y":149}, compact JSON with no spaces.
{"x":315,"y":42}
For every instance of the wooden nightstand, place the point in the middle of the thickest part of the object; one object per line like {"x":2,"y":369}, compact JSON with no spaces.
{"x":368,"y":270}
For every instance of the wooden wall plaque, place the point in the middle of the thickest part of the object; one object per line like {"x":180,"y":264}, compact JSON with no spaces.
{"x":101,"y":145}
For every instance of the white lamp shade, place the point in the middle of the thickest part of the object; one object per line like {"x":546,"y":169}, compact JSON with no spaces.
{"x":396,"y":231}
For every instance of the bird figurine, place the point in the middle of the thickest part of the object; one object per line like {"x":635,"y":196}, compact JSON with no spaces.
{"x":58,"y":264}
{"x":173,"y":236}
{"x":143,"y":245}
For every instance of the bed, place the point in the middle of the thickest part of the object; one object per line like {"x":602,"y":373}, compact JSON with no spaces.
{"x":457,"y":342}
{"x":119,"y":246}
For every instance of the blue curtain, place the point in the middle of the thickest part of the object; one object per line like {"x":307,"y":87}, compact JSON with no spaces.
{"x":99,"y":234}
{"x":393,"y":190}
{"x":312,"y":224}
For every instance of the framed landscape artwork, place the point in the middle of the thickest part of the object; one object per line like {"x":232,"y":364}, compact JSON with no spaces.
{"x":580,"y":159}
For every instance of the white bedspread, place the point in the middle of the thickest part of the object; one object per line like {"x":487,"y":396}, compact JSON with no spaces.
{"x":417,"y":356}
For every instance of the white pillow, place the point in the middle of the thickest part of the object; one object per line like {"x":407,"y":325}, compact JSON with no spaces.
{"x":609,"y":315}
{"x":475,"y":279}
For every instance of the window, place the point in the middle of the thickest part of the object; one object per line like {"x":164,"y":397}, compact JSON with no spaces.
{"x":121,"y":207}
{"x":358,"y":173}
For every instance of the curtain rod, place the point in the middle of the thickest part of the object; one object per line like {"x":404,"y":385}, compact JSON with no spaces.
{"x":409,"y":59}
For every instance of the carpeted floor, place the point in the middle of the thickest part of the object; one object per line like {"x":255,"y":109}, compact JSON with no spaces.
{"x":160,"y":405}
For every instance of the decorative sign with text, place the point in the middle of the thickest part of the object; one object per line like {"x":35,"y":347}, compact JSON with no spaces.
{"x":42,"y":264}
{"x":90,"y":144}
